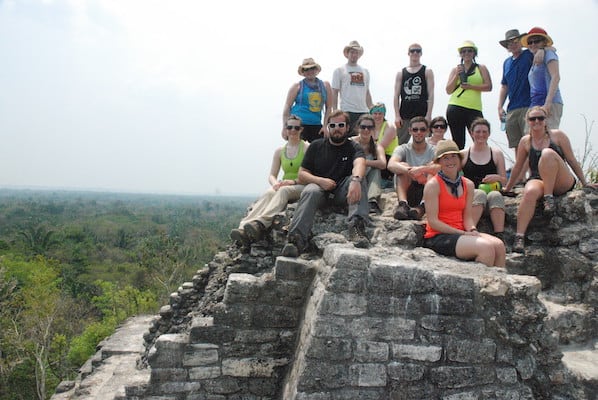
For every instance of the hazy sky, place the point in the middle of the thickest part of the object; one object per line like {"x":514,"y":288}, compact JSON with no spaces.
{"x":186,"y":97}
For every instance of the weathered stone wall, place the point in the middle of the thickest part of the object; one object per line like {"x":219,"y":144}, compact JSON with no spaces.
{"x":395,"y":321}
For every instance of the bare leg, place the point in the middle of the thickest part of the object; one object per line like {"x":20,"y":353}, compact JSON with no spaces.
{"x":497,"y":216}
{"x":555,"y":173}
{"x":534,"y":189}
{"x":476,"y":213}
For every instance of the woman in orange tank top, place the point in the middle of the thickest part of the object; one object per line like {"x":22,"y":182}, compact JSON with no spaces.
{"x":448,"y":199}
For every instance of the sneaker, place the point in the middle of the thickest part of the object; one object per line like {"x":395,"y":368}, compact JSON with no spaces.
{"x":254,"y":230}
{"x":239,"y":236}
{"x":416,"y":213}
{"x":295,"y":245}
{"x":402,"y":211}
{"x":374,"y":208}
{"x":519,"y":244}
{"x":357,"y":233}
{"x":549,"y":205}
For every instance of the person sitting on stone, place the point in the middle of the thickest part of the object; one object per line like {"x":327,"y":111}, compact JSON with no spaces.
{"x":375,"y":159}
{"x":333,"y":171}
{"x":450,"y":229}
{"x":412,"y":164}
{"x":550,"y":158}
{"x":282,"y":191}
{"x":485,"y":166}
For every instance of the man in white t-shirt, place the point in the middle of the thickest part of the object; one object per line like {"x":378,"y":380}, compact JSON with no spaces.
{"x":352,"y":82}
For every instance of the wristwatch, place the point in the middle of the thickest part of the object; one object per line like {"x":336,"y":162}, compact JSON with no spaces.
{"x":356,"y":178}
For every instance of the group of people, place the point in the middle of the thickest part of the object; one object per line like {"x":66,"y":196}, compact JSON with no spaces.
{"x":349,"y":160}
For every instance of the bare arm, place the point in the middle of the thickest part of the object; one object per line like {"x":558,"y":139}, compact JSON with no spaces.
{"x":453,"y":79}
{"x":335,"y":99}
{"x":389,"y":134}
{"x":555,"y":77}
{"x":286,"y":111}
{"x":275,"y":167}
{"x":380,"y":161}
{"x":396,"y":101}
{"x":324,"y":130}
{"x":486,"y":85}
{"x":520,"y":159}
{"x":501,"y":172}
{"x":502,"y":97}
{"x":565,"y":143}
{"x":430,"y":85}
{"x":354,"y":193}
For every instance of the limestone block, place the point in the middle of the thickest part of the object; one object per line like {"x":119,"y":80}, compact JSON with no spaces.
{"x":241,"y":288}
{"x":405,"y":372}
{"x":251,"y":367}
{"x":344,"y":304}
{"x":208,"y":372}
{"x":470,"y":351}
{"x":416,"y":352}
{"x":368,"y":375}
{"x":200,"y":354}
{"x":331,"y":349}
{"x":293,"y":269}
{"x":370,"y":351}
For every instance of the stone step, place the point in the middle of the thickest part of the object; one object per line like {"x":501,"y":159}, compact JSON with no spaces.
{"x":582,"y":361}
{"x":114,"y":367}
{"x":573,"y":322}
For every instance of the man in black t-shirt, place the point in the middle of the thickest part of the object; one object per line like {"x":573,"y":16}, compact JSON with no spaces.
{"x":333,"y":170}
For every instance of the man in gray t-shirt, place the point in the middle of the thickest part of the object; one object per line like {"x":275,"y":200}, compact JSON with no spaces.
{"x":412,"y":165}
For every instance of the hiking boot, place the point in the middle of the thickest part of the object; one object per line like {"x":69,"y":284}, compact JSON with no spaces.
{"x":402,"y":211}
{"x":519,"y":244}
{"x":549,"y":205}
{"x":374,"y":208}
{"x":416,"y":213}
{"x":239,"y":236}
{"x":357,"y":233}
{"x":295,"y":245}
{"x":254,"y":230}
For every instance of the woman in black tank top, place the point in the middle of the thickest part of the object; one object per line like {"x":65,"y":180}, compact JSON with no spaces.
{"x":484,"y":164}
{"x":551,"y":160}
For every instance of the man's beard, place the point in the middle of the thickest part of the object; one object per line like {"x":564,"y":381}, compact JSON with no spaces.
{"x":338,"y":139}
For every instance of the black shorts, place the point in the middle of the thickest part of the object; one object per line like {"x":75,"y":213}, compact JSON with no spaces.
{"x":443,"y":243}
{"x":311,"y":132}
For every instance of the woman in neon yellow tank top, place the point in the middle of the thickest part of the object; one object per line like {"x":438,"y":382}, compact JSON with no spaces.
{"x":465,"y":84}
{"x":386,"y":136}
{"x":283,"y":191}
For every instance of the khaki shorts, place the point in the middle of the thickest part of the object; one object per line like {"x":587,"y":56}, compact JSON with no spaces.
{"x":491,"y":200}
{"x":516,"y":126}
{"x":554,"y":119}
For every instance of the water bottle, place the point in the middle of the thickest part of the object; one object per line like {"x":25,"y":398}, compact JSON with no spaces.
{"x":489,"y":187}
{"x":503,"y":121}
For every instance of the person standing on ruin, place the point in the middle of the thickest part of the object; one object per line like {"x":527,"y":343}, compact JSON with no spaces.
{"x":414,"y":93}
{"x":351,"y":82}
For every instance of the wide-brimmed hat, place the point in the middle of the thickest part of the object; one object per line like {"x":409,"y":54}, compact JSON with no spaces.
{"x":353,"y":44}
{"x":536,"y":31}
{"x":308,"y":63}
{"x":446,"y":147}
{"x":468,"y":44}
{"x":510,"y":35}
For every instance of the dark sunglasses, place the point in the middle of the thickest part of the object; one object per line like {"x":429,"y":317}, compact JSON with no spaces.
{"x":421,"y":129}
{"x":467,"y":50}
{"x":309,"y":69}
{"x":535,"y":41}
{"x":370,"y":127}
{"x":295,"y":127}
{"x":439,"y":126}
{"x":538,"y":118}
{"x":333,"y":125}
{"x":415,"y":50}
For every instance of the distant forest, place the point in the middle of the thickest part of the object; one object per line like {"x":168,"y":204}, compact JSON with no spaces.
{"x":73,"y":265}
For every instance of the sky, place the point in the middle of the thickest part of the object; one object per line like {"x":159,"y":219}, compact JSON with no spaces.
{"x":186,"y":97}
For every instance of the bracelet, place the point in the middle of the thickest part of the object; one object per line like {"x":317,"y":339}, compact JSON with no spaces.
{"x":356,"y":178}
{"x":294,"y":181}
{"x":473,"y":230}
